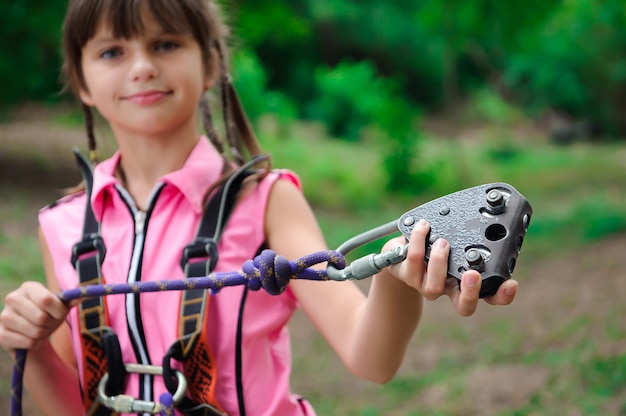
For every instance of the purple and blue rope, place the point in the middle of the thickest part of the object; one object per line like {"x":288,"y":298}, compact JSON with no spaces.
{"x":268,"y":270}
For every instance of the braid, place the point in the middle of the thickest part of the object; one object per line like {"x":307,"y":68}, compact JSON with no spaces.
{"x":231,"y":135}
{"x":207,"y":123}
{"x":91,"y":138}
{"x":239,"y":133}
{"x":226,"y":110}
{"x":244,"y":129}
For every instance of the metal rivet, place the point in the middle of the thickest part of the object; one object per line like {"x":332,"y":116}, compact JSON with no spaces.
{"x":474,"y":258}
{"x":444,"y":211}
{"x":408,"y":221}
{"x":495,"y":198}
{"x":496,"y":201}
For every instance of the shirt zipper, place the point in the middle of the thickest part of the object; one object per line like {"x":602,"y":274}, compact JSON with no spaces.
{"x":137,"y":336}
{"x":140,"y":222}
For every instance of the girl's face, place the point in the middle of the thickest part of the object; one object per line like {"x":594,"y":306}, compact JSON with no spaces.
{"x":147,"y":85}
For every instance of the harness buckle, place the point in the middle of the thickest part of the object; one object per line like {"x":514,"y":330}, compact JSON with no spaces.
{"x":200,"y":248}
{"x":89,"y":244}
{"x":124,"y":403}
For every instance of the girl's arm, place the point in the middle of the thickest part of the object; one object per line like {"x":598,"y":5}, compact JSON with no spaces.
{"x":34,"y":319}
{"x":370,"y":334}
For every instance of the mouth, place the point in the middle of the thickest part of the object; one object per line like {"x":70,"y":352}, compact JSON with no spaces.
{"x":147,"y":97}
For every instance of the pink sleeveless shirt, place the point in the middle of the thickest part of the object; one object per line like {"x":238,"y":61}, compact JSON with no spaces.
{"x":148,"y":246}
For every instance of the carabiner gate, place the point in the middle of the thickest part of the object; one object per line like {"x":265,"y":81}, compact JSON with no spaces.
{"x":124,"y":403}
{"x":372,"y":263}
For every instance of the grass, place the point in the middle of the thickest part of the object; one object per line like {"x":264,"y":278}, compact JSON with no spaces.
{"x":578,"y":382}
{"x":16,"y":262}
{"x":577,"y":192}
{"x":578,"y":196}
{"x":19,"y":261}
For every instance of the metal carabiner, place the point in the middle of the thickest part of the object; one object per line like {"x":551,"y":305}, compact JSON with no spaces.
{"x":124,"y":403}
{"x":372,"y":263}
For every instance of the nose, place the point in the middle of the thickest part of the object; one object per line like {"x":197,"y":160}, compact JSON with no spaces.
{"x":143,"y":67}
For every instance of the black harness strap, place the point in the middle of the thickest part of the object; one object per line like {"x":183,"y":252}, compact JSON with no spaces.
{"x":88,"y":254}
{"x":101,"y":352}
{"x":87,"y":257}
{"x":200,"y":256}
{"x":199,"y":259}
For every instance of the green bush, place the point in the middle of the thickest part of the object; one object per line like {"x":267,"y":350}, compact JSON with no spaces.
{"x":575,"y":64}
{"x":350,"y":97}
{"x":342,"y":62}
{"x":335,"y":174}
{"x":486,"y":105}
{"x":251,"y":81}
{"x":29,"y":59}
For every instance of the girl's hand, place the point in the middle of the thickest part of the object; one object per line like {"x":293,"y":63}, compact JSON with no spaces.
{"x":431,"y":280}
{"x":31,"y":314}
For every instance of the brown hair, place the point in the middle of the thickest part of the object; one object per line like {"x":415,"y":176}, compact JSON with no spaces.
{"x":200,"y":18}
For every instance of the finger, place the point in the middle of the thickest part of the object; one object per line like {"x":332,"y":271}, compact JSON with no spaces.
{"x":437,"y":271}
{"x":413,"y":267}
{"x":470,"y":290}
{"x":48,"y":302}
{"x":19,"y":329}
{"x":453,"y":290}
{"x":35,"y":309}
{"x":12,"y":340}
{"x":505,"y":294}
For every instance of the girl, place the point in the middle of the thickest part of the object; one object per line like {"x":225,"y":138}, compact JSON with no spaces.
{"x":145,"y":65}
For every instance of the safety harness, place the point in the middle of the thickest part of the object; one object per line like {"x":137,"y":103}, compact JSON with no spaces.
{"x":101,"y":353}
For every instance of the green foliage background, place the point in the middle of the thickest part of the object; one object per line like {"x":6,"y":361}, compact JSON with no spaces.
{"x":566,"y":55}
{"x":367,"y":74}
{"x":30,"y":34}
{"x":332,"y":84}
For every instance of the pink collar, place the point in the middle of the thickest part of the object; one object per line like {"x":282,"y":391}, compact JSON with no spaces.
{"x":201,"y":170}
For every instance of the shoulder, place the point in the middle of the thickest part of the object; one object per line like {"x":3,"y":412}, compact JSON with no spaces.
{"x":287,"y":175}
{"x":67,"y":204}
{"x":280,"y":179}
{"x":277,"y":184}
{"x":64,"y":215}
{"x":285,"y":196}
{"x":290,"y":224}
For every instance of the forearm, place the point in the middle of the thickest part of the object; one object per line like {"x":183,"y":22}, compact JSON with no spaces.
{"x":385,"y":326}
{"x":52,"y":384}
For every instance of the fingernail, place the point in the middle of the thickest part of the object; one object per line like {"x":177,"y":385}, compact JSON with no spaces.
{"x":441,"y":243}
{"x":471,"y":280}
{"x":422,"y":223}
{"x":509,"y":290}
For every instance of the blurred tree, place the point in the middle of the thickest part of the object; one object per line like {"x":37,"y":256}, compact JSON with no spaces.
{"x":576,"y":64}
{"x":30,"y":31}
{"x":564,"y":55}
{"x":474,"y":38}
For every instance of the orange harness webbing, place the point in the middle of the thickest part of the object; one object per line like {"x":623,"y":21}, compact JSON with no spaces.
{"x":199,"y":259}
{"x":87,"y":257}
{"x":192,"y":348}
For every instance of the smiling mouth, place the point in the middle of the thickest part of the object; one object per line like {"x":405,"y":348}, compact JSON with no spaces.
{"x":148,"y":97}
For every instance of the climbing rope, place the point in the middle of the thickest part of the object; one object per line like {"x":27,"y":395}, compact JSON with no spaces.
{"x":490,"y":220}
{"x":268,"y":270}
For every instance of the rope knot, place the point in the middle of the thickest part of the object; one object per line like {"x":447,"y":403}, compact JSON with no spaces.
{"x":269,"y":271}
{"x":273,"y":272}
